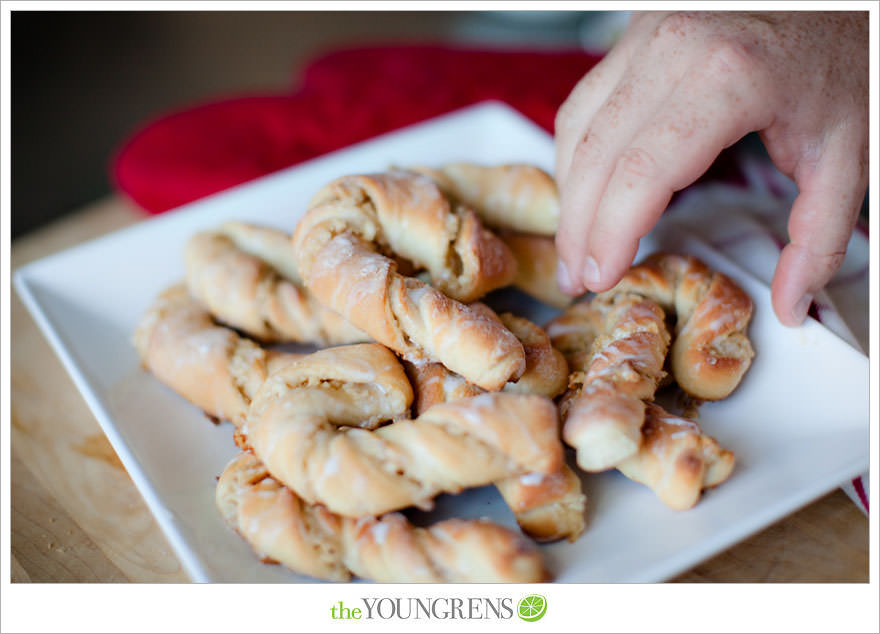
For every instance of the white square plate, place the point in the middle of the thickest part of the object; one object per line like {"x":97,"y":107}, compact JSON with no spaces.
{"x":798,"y":424}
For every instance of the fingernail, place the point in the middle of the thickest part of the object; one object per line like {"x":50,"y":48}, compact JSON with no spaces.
{"x":799,"y":312}
{"x":563,"y":278}
{"x":591,"y":271}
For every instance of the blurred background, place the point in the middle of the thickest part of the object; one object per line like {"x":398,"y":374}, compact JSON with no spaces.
{"x":83,"y":81}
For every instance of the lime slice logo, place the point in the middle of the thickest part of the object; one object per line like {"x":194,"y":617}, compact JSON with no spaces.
{"x":532,"y":608}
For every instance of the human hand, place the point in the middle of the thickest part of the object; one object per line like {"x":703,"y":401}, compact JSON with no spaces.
{"x":653,"y":115}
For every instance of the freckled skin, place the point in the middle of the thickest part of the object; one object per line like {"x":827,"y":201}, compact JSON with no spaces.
{"x":680,"y":87}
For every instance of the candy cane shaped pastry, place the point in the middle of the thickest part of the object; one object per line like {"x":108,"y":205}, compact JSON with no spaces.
{"x":339,"y":246}
{"x":547,"y":506}
{"x":293,"y":427}
{"x":311,"y":540}
{"x":616,"y":347}
{"x":711,"y":350}
{"x":246,"y":275}
{"x":209,"y":365}
{"x":676,"y":460}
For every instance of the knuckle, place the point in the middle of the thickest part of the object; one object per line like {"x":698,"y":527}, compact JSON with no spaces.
{"x":834,"y":260}
{"x":828,"y":259}
{"x":824,"y":257}
{"x":679,"y":24}
{"x":589,"y":152}
{"x":564,"y":115}
{"x":571,"y":110}
{"x":825,"y":264}
{"x":637,"y":162}
{"x":729,"y":58}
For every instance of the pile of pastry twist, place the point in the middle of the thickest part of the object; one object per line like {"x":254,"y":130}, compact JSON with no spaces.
{"x":420,"y":389}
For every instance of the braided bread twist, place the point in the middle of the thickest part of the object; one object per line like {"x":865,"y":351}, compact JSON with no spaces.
{"x":311,"y":540}
{"x":336,"y":245}
{"x":209,"y":365}
{"x":246,"y":275}
{"x":616,"y":346}
{"x":292,"y":427}
{"x":676,"y":460}
{"x":547,"y":506}
{"x":711,"y":351}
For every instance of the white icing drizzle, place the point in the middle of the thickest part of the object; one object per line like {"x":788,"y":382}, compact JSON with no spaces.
{"x":531,"y":479}
{"x":331,"y":467}
{"x":379,"y":530}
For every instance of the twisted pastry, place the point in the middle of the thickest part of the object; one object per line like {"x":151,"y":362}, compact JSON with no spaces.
{"x":219,"y":371}
{"x":246,"y":275}
{"x":546,"y":371}
{"x":433,"y":383}
{"x":209,"y":365}
{"x":269,"y":244}
{"x":336,"y":246}
{"x":292,"y":427}
{"x":311,"y":540}
{"x":676,"y":460}
{"x":616,"y":346}
{"x":516,"y":196}
{"x":547,"y":506}
{"x":574,"y":330}
{"x":711,"y":351}
{"x":521,"y":203}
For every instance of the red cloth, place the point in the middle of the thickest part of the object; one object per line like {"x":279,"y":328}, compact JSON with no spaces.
{"x":345,"y":97}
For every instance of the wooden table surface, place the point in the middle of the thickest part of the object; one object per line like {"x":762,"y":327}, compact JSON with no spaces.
{"x":76,"y":515}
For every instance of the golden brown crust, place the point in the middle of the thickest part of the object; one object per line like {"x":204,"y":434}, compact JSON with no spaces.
{"x":546,"y":370}
{"x":278,"y":524}
{"x":406,"y":214}
{"x":209,"y":365}
{"x":390,"y":550}
{"x":711,"y":351}
{"x":229,"y":271}
{"x":521,"y":203}
{"x":310,"y":540}
{"x":266,"y":243}
{"x":573,"y":331}
{"x":547,"y":506}
{"x":336,"y":245}
{"x":620,"y":344}
{"x":292,"y":427}
{"x":513,"y":196}
{"x":676,"y":460}
{"x":433,"y":383}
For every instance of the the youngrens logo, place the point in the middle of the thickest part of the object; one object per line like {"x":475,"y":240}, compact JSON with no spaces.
{"x":532,"y":608}
{"x":529,"y":608}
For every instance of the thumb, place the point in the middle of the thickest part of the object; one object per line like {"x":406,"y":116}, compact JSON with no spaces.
{"x":821,"y":222}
